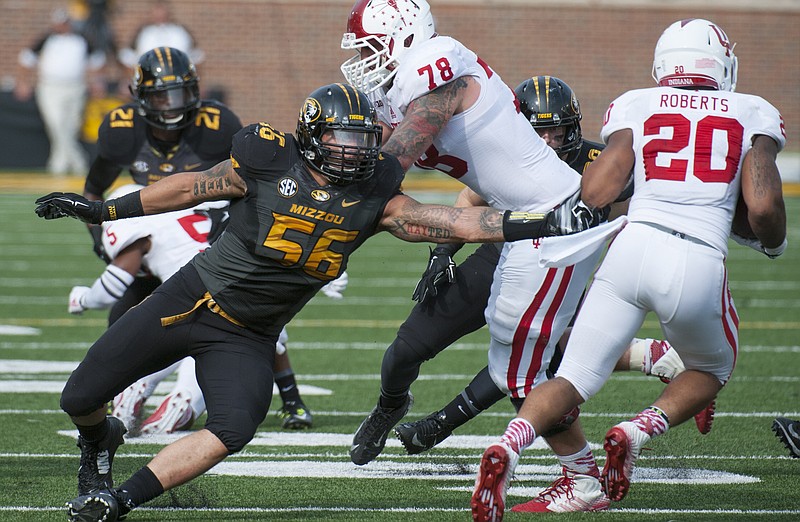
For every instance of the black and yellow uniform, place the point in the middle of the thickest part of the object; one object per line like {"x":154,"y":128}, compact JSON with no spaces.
{"x":286,"y":238}
{"x":126,"y":141}
{"x":456,"y":311}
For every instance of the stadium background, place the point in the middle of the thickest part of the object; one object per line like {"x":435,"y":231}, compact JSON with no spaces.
{"x":268,"y":54}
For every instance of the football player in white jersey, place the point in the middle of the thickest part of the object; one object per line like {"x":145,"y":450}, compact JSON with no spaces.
{"x":449,"y":111}
{"x":695,"y":148}
{"x":160,"y":245}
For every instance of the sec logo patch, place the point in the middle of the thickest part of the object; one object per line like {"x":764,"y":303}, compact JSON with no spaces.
{"x":287,"y":187}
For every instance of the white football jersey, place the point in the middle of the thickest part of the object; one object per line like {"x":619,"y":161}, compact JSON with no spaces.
{"x":175,"y":238}
{"x":689,"y":151}
{"x":490,"y":147}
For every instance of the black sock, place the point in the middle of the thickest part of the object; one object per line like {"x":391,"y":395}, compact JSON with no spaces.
{"x":142,"y":486}
{"x":479,"y":395}
{"x":95,"y":433}
{"x":392,"y":401}
{"x":287,"y":386}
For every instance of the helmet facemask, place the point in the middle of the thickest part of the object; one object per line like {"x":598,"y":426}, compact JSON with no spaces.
{"x":165,"y":85}
{"x":548,"y":102}
{"x":339,"y":135}
{"x":381,"y":31}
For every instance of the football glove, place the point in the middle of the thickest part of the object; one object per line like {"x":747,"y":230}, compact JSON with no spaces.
{"x":756,"y":245}
{"x":97,"y":238}
{"x":441,"y":270}
{"x":335,"y":288}
{"x":65,"y":204}
{"x":75,"y":295}
{"x":573,"y":216}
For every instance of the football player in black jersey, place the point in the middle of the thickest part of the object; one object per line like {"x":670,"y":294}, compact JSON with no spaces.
{"x":300,"y":206}
{"x":167,"y":129}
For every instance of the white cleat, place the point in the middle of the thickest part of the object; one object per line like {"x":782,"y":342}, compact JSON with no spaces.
{"x":174,"y":414}
{"x":570,"y":492}
{"x":491,"y":485}
{"x":128,"y":407}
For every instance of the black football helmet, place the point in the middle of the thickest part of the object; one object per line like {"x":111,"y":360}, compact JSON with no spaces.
{"x":547,"y":101}
{"x":339,"y":133}
{"x":165,"y":87}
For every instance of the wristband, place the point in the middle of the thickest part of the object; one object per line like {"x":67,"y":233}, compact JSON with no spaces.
{"x":523,"y":225}
{"x":127,"y":206}
{"x":447,"y":249}
{"x":778,"y":250}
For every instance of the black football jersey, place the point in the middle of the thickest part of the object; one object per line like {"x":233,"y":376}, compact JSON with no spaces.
{"x":578,"y":159}
{"x":125,"y":142}
{"x":288,"y":235}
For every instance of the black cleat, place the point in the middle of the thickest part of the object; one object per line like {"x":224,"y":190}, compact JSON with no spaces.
{"x":295,"y":416}
{"x":422,"y":435}
{"x":94,"y":473}
{"x":369,"y":440}
{"x":107,"y":505}
{"x":788,"y":431}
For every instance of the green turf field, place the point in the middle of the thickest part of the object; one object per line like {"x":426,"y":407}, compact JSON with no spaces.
{"x":739,"y":471}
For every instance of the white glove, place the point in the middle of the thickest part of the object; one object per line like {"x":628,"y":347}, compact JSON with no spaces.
{"x":75,"y":295}
{"x":756,"y":245}
{"x":335,"y":288}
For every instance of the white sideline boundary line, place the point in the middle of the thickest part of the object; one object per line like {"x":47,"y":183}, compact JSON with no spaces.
{"x":316,"y":509}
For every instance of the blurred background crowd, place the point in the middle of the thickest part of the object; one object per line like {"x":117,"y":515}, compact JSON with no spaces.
{"x":68,"y":63}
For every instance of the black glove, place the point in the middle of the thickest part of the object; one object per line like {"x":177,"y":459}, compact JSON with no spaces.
{"x":573,"y":216}
{"x":97,"y":238}
{"x":441,"y":268}
{"x":64,"y":204}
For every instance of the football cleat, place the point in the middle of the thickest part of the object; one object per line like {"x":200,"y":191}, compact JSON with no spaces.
{"x":491,"y":485}
{"x":570,"y":492}
{"x":422,"y":435}
{"x":174,"y":414}
{"x":705,"y":418}
{"x":664,"y":362}
{"x":370,"y":438}
{"x":623,"y":445}
{"x":107,"y":505}
{"x":295,"y":416}
{"x":94,"y":473}
{"x":128,"y":407}
{"x":788,"y":431}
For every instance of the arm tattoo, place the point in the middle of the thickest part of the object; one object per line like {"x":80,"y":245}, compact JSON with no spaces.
{"x":214,"y":182}
{"x":441,"y":224}
{"x":425,"y":118}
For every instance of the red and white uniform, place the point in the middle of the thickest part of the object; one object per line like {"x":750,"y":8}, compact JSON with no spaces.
{"x":670,"y":259}
{"x":493,"y":149}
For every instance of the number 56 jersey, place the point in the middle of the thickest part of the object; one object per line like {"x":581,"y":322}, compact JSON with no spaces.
{"x":288,"y":236}
{"x":689,"y":147}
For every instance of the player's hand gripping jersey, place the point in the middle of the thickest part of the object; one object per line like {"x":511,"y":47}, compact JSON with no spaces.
{"x":276,"y":254}
{"x":490,"y":147}
{"x":693,"y":144}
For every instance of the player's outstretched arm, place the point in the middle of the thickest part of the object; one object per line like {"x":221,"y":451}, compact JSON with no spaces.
{"x":176,"y":192}
{"x":605,"y":178}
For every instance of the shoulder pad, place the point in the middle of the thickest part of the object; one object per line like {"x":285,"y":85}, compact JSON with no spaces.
{"x":260,"y":150}
{"x":121,"y":134}
{"x":212,"y":132}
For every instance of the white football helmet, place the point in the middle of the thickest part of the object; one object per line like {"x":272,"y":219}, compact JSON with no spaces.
{"x":695,"y":53}
{"x":386,"y":29}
